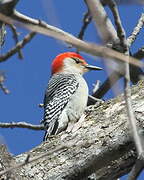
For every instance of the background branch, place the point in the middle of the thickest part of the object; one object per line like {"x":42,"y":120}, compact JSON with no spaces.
{"x":135,"y":72}
{"x":86,"y":20}
{"x":15,"y":36}
{"x":119,"y":27}
{"x":136,"y":30}
{"x":21,"y":125}
{"x":18,"y":46}
{"x":102,"y":22}
{"x":43,"y":28}
{"x":2,"y":86}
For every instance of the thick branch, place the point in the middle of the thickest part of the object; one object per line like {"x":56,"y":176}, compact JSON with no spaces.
{"x":102,"y":141}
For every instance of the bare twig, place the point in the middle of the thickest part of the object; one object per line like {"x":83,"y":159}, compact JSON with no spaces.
{"x":103,"y":23}
{"x":2,"y":86}
{"x":28,"y":160}
{"x":135,"y":72}
{"x":93,"y":100}
{"x":120,"y":30}
{"x":15,"y":36}
{"x":4,"y":89}
{"x":2,"y":34}
{"x":43,"y":28}
{"x":21,"y":125}
{"x":108,"y":83}
{"x":18,"y":46}
{"x":136,"y":30}
{"x":96,"y":86}
{"x":109,"y":35}
{"x":86,"y":20}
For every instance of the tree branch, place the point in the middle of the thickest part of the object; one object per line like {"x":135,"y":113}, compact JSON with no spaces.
{"x":2,"y":86}
{"x":119,"y":27}
{"x":21,"y":125}
{"x":28,"y":160}
{"x":15,"y":37}
{"x":43,"y":28}
{"x":103,"y":140}
{"x":103,"y":23}
{"x":136,"y":30}
{"x":18,"y":46}
{"x":86,"y":20}
{"x":135,"y":72}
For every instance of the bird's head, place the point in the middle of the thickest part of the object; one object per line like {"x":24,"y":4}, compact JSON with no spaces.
{"x":71,"y":62}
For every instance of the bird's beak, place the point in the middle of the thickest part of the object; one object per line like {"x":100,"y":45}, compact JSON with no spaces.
{"x":90,"y":67}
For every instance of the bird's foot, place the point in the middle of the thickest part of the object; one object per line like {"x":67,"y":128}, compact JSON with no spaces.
{"x":79,"y":124}
{"x":73,"y":127}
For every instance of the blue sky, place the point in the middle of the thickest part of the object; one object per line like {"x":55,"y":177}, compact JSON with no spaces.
{"x":27,"y":78}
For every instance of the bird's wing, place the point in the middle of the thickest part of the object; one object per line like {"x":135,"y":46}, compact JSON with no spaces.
{"x":58,"y":93}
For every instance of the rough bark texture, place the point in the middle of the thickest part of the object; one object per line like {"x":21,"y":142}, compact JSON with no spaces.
{"x":103,"y":145}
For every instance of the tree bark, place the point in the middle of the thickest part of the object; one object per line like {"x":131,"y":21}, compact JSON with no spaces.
{"x":103,"y":145}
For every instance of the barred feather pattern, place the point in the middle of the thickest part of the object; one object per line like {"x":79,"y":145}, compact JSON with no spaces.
{"x":60,"y":88}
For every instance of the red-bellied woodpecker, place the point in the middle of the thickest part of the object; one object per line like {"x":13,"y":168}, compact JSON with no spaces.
{"x":67,"y":92}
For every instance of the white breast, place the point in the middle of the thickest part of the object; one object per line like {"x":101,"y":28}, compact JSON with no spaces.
{"x":78,"y":101}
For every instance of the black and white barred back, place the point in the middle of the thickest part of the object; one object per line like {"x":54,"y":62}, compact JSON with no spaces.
{"x":60,"y":88}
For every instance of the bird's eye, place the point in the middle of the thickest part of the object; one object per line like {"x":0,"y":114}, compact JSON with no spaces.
{"x":76,"y":60}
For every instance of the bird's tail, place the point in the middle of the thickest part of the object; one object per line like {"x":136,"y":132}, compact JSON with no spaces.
{"x":51,"y":129}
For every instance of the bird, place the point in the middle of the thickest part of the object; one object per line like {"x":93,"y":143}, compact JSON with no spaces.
{"x":66,"y":95}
